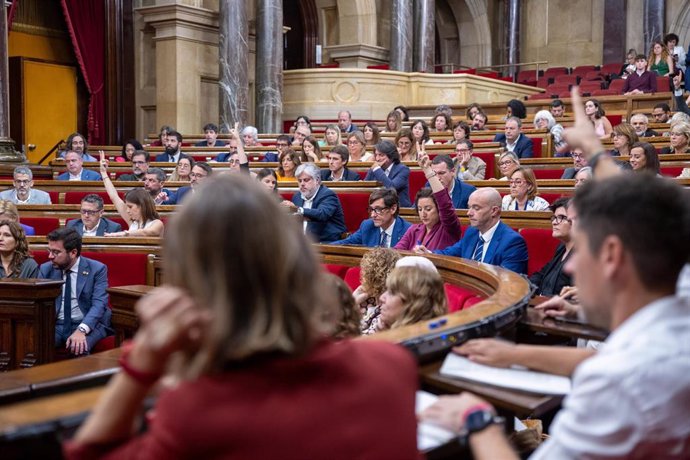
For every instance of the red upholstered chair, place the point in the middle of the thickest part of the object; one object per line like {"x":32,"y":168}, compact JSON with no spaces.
{"x":76,"y":197}
{"x":552,"y":72}
{"x":42,"y":225}
{"x":105,"y":344}
{"x":548,"y":173}
{"x":668,"y":171}
{"x":532,"y":97}
{"x":544,"y":81}
{"x":615,"y":119}
{"x":593,"y":75}
{"x":662,"y":84}
{"x":379,"y":67}
{"x":471,"y":301}
{"x":566,"y":79}
{"x":490,"y":160}
{"x":123,"y":268}
{"x":456,"y":296}
{"x":352,"y":277}
{"x":54,"y":197}
{"x":588,"y":87}
{"x":536,"y":146}
{"x":467,"y":71}
{"x":617,"y":85}
{"x":540,"y":247}
{"x":355,"y":208}
{"x":583,"y":70}
{"x":605,"y":92}
{"x":612,"y":68}
{"x":526,"y":76}
{"x":417,"y":182}
{"x":337,"y":270}
{"x":557,"y":88}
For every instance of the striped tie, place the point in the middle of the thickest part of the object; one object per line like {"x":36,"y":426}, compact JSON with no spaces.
{"x":383,"y":239}
{"x":479,"y":250}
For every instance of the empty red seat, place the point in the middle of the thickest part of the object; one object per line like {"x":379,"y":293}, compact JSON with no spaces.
{"x":337,"y":270}
{"x":42,"y":225}
{"x":612,"y":68}
{"x":557,"y":88}
{"x":617,"y":85}
{"x":352,"y":277}
{"x":456,"y":296}
{"x":582,"y":70}
{"x":76,"y":197}
{"x":566,"y":79}
{"x":541,"y":246}
{"x":490,"y":160}
{"x":662,"y":84}
{"x":553,"y":71}
{"x":355,"y":207}
{"x":593,"y":75}
{"x":379,"y":67}
{"x":589,"y":86}
{"x":417,"y":182}
{"x":525,"y":76}
{"x":605,"y":92}
{"x":548,"y":173}
{"x":543,"y":82}
{"x":669,"y":171}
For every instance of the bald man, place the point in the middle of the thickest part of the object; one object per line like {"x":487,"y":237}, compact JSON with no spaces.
{"x":488,"y":239}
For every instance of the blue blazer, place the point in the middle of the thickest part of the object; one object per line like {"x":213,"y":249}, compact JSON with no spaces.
{"x":399,"y":179}
{"x":270,"y":157}
{"x":92,"y":295}
{"x":461,"y":194}
{"x":507,"y":248}
{"x":347,"y":175}
{"x":176,"y":198}
{"x":523,"y":149}
{"x":369,"y":235}
{"x":86,"y":174}
{"x":104,"y":226}
{"x":326,"y":220}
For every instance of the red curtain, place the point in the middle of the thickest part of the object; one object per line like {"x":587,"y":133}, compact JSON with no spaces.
{"x":10,"y":14}
{"x":86,"y":25}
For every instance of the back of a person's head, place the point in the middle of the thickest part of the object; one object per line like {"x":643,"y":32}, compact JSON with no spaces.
{"x":653,"y":231}
{"x":422,"y":292}
{"x":347,"y":321}
{"x":262,"y":291}
{"x":375,"y":267}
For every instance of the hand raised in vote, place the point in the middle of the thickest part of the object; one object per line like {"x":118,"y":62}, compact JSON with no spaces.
{"x":103,"y":162}
{"x":235,"y":132}
{"x":422,"y":157}
{"x":490,"y":352}
{"x":582,"y":133}
{"x":449,"y":411}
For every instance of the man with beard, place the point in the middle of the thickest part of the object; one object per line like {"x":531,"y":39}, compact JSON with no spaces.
{"x":172,"y":153}
{"x":23,"y":193}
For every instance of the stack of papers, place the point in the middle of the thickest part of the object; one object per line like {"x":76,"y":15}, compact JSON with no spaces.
{"x":514,"y":378}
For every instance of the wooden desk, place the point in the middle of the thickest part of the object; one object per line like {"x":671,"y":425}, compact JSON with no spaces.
{"x":124,"y":318}
{"x":509,"y":402}
{"x":535,"y":320}
{"x":27,"y":322}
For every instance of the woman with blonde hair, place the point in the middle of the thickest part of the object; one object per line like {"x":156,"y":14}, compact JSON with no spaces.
{"x":242,"y":310}
{"x":14,"y":252}
{"x":393,"y":122}
{"x":357,"y":147}
{"x":624,"y":136}
{"x":8,"y":211}
{"x":508,"y":162}
{"x":523,"y":193}
{"x":412,"y":295}
{"x":406,"y":145}
{"x":679,"y":139}
{"x":182,"y":170}
{"x":331,"y":137}
{"x":374,"y":269}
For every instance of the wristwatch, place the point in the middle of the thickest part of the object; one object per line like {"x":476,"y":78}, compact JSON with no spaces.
{"x":480,"y":419}
{"x":82,"y":329}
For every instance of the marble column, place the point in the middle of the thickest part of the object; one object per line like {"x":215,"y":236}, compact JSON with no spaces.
{"x":614,"y":41}
{"x":233,"y":63}
{"x":654,"y":12}
{"x":513,"y":34}
{"x":269,"y":66}
{"x":424,"y":35}
{"x":7,"y":150}
{"x":402,"y":32}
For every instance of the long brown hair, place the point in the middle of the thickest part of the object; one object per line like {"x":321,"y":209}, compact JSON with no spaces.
{"x":21,"y":252}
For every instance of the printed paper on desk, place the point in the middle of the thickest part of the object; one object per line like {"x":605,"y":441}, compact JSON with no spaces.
{"x":517,"y":379}
{"x":429,"y":435}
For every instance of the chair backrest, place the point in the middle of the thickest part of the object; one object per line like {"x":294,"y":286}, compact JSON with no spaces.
{"x":541,"y":246}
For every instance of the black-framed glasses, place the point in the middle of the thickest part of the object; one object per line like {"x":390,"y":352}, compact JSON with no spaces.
{"x":377,"y":211}
{"x":89,"y":212}
{"x":559,"y":219}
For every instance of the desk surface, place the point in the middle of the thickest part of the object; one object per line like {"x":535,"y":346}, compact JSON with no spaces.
{"x":535,"y":320}
{"x":520,"y":403}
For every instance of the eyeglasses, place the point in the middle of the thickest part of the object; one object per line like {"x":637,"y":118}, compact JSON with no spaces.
{"x":577,"y":156}
{"x":198,"y":176}
{"x":377,"y":211}
{"x":353,"y":142}
{"x":463,"y":150}
{"x":88,"y":212}
{"x":505,"y":162}
{"x":559,"y":219}
{"x":516,"y":182}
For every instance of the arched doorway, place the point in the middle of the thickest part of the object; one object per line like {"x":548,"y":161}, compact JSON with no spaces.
{"x":300,"y":42}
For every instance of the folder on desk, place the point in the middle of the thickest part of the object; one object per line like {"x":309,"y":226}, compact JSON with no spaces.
{"x":514,"y":378}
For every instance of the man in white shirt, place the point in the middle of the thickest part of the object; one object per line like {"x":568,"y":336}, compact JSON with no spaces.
{"x":92,"y":222}
{"x":23,"y":191}
{"x":632,"y":398}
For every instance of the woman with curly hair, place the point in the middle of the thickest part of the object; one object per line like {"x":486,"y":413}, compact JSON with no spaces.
{"x":412,"y":294}
{"x":347,"y":323}
{"x":14,"y":252}
{"x":374,"y":269}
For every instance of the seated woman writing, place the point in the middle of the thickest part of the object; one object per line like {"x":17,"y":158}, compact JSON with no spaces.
{"x":242,"y":325}
{"x":551,"y":279}
{"x":440,"y":226}
{"x":14,"y":252}
{"x":137,"y":209}
{"x":414,"y":292}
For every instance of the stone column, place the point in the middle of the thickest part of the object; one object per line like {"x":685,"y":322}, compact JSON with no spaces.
{"x":614,"y":41}
{"x":7,"y":151}
{"x":424,"y":35}
{"x":269,"y":66}
{"x":513,"y":34}
{"x":401,"y":35}
{"x":654,"y":12}
{"x":233,"y":63}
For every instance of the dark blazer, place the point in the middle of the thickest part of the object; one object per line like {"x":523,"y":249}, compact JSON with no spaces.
{"x":461,"y":194}
{"x":399,"y":179}
{"x":104,"y":226}
{"x":326,"y":220}
{"x":551,"y":278}
{"x":86,"y":174}
{"x":347,"y":175}
{"x":270,"y":157}
{"x":523,"y":148}
{"x":92,"y":295}
{"x":369,"y":235}
{"x":165,"y":158}
{"x":507,"y":248}
{"x":131,"y":177}
{"x":176,"y":198}
{"x":203,"y":143}
{"x":569,"y":173}
{"x":649,"y":133}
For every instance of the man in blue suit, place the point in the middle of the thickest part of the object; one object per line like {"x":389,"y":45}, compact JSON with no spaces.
{"x":514,"y":140}
{"x":499,"y":245}
{"x":337,"y":170}
{"x":318,"y":205}
{"x":83,"y":316}
{"x":75,"y":169}
{"x":200,"y":172}
{"x":388,"y":170}
{"x":459,"y":191}
{"x":92,"y":222}
{"x":385,"y":228}
{"x":173,"y":144}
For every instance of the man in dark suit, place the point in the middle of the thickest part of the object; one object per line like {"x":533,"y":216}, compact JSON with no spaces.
{"x":514,"y":140}
{"x":172,"y":154}
{"x":337,"y":170}
{"x":211,"y":137}
{"x":388,"y":170}
{"x":579,"y":162}
{"x":640,"y":122}
{"x":459,"y":191}
{"x":320,"y":207}
{"x":345,"y":122}
{"x":83,"y":316}
{"x":92,"y":222}
{"x":200,"y":172}
{"x":499,"y":244}
{"x":385,"y":228}
{"x":140,"y":164}
{"x":282,"y":144}
{"x":75,"y":169}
